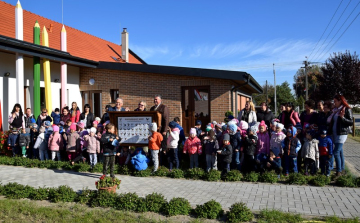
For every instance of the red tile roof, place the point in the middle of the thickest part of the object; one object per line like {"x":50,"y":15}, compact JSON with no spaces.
{"x":79,"y":43}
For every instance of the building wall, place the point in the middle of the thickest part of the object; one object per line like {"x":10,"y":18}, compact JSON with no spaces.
{"x":135,"y":86}
{"x":8,"y":89}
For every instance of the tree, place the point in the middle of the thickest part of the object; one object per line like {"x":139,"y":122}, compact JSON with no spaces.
{"x":299,"y":85}
{"x":340,"y":76}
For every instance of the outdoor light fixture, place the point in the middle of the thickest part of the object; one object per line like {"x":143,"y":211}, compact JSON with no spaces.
{"x":7,"y":74}
{"x":91,"y":81}
{"x":57,"y":80}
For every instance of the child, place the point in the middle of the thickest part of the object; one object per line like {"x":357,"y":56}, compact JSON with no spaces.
{"x":211,"y":146}
{"x":199,"y":132}
{"x":41,"y":144}
{"x":235,"y":141}
{"x":100,"y":154}
{"x":95,"y":124}
{"x":139,"y":160}
{"x":72,"y":142}
{"x":277,"y":137}
{"x":263,"y":145}
{"x":67,"y":125}
{"x":55,"y":143}
{"x":226,"y":153}
{"x":193,"y":148}
{"x":93,"y":146}
{"x":24,"y":141}
{"x":13,"y":141}
{"x":154,"y":145}
{"x":109,"y":144}
{"x":56,"y":116}
{"x":326,"y":152}
{"x":172,"y":145}
{"x":124,"y":157}
{"x":250,"y":143}
{"x":310,"y":152}
{"x":33,"y":135}
{"x":291,"y":146}
{"x":273,"y":162}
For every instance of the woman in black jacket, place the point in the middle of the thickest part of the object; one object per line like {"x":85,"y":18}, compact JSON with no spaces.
{"x":265,"y":114}
{"x":339,"y":127}
{"x":87,"y":116}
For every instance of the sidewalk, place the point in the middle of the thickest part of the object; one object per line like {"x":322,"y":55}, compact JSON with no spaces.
{"x":352,"y":154}
{"x":307,"y":200}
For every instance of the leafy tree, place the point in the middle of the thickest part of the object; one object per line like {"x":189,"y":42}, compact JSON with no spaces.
{"x":299,"y":86}
{"x":340,"y":75}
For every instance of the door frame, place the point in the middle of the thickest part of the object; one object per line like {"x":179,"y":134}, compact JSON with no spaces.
{"x":90,"y":99}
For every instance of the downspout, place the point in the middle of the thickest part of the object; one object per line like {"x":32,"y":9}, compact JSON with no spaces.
{"x":247,"y":76}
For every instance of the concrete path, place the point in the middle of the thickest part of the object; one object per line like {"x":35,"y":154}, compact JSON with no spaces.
{"x":320,"y":201}
{"x":352,"y":154}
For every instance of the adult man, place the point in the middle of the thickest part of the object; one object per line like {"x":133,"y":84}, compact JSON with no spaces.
{"x":28,"y":117}
{"x":118,"y":106}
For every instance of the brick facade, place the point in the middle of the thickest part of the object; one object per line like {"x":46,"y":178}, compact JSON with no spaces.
{"x":135,"y":86}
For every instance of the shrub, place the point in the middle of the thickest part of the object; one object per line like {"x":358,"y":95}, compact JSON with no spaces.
{"x":297,"y":178}
{"x":176,"y":173}
{"x":63,"y":193}
{"x":195,"y":173}
{"x":85,"y":196}
{"x":82,"y":167}
{"x":233,"y":175}
{"x":98,"y":168}
{"x":210,"y":209}
{"x":128,"y":202}
{"x":320,"y":180}
{"x":279,"y":216}
{"x":124,"y":170}
{"x":155,"y":202}
{"x":269,"y":177}
{"x":162,"y":172}
{"x":42,"y":193}
{"x":142,"y":173}
{"x":177,"y":206}
{"x":239,"y":212}
{"x":346,"y":181}
{"x":104,"y":199}
{"x":17,"y":191}
{"x":213,"y":175}
{"x":251,"y":177}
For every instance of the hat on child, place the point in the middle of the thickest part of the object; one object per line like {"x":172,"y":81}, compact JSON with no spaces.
{"x":198,"y":122}
{"x":224,"y":127}
{"x":276,"y":151}
{"x":55,"y":128}
{"x":47,"y":123}
{"x":208,"y":128}
{"x":252,"y":129}
{"x":95,"y":122}
{"x":35,"y":126}
{"x":279,"y":125}
{"x":32,"y":120}
{"x":262,"y":123}
{"x":81,"y":124}
{"x":73,"y":126}
{"x":93,"y":130}
{"x":243,"y":125}
{"x":192,"y":131}
{"x":230,"y":117}
{"x":42,"y":129}
{"x":226,"y":137}
{"x":324,"y":132}
{"x":172,"y":124}
{"x":98,"y":119}
{"x":154,"y":127}
{"x":232,"y":127}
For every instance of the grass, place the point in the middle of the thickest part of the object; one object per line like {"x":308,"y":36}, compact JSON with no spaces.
{"x":356,"y":138}
{"x":278,"y":216}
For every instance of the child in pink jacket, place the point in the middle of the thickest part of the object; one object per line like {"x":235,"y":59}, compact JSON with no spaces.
{"x":193,"y":148}
{"x":55,"y":143}
{"x":93,"y":146}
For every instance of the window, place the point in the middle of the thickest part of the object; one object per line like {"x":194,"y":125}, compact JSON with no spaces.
{"x":114,"y":94}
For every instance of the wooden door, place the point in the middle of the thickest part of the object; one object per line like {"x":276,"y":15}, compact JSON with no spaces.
{"x":93,"y":98}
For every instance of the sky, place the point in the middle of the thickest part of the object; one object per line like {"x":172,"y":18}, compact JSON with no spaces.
{"x":238,"y":35}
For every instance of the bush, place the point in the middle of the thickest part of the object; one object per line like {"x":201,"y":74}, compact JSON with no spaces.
{"x":82,"y":167}
{"x":176,"y":173}
{"x":104,"y":199}
{"x":41,"y":193}
{"x":141,"y":205}
{"x":162,"y":172}
{"x":269,"y":177}
{"x":346,"y":181}
{"x":177,"y":206}
{"x":62,"y":193}
{"x":155,"y":202}
{"x":85,"y":196}
{"x":128,"y":202}
{"x":320,"y":180}
{"x":98,"y":168}
{"x":279,"y":216}
{"x":233,"y":175}
{"x":17,"y":191}
{"x":124,"y":170}
{"x":213,"y":175}
{"x":239,"y":212}
{"x":142,"y":173}
{"x":210,"y":209}
{"x":195,"y":173}
{"x":297,"y":178}
{"x":251,"y":177}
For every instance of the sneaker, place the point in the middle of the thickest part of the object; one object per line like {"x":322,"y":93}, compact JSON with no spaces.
{"x":24,"y":156}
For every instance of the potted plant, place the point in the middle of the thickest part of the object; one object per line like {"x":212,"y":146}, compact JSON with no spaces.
{"x":108,"y":183}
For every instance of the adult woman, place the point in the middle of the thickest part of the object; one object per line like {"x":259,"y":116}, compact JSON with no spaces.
{"x":309,"y":116}
{"x":43,"y":117}
{"x":75,"y":113}
{"x":141,"y":106}
{"x":87,"y":116}
{"x":65,"y":115}
{"x":289,"y":116}
{"x":248,"y":113}
{"x":339,"y":127}
{"x":105,"y":116}
{"x":17,"y":118}
{"x":265,"y":114}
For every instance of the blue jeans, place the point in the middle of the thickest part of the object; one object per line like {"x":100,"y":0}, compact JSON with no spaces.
{"x":290,"y":163}
{"x":15,"y":150}
{"x":324,"y":165}
{"x":93,"y":159}
{"x":43,"y":152}
{"x":339,"y":157}
{"x":173,"y":157}
{"x":236,"y":160}
{"x":35,"y":153}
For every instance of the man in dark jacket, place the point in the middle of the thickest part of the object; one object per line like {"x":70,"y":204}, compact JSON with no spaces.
{"x":226,"y":153}
{"x":28,"y":117}
{"x":118,"y":106}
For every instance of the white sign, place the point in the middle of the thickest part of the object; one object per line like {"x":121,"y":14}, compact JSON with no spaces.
{"x":134,"y":129}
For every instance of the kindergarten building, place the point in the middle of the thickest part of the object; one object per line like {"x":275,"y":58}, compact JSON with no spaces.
{"x":97,"y":71}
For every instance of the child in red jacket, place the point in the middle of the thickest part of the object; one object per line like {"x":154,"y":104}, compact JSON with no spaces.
{"x":193,"y":147}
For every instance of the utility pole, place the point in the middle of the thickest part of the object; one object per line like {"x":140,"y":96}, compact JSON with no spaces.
{"x":266,"y":92}
{"x":274,"y":89}
{"x":306,"y":80}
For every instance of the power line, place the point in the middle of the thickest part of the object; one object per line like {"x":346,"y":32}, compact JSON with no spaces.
{"x":326,"y":28}
{"x":333,"y":28}
{"x":321,"y":54}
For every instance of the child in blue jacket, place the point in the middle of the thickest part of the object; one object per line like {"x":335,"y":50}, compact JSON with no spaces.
{"x":326,"y":152}
{"x":291,"y":145}
{"x":56,"y":116}
{"x":139,"y":160}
